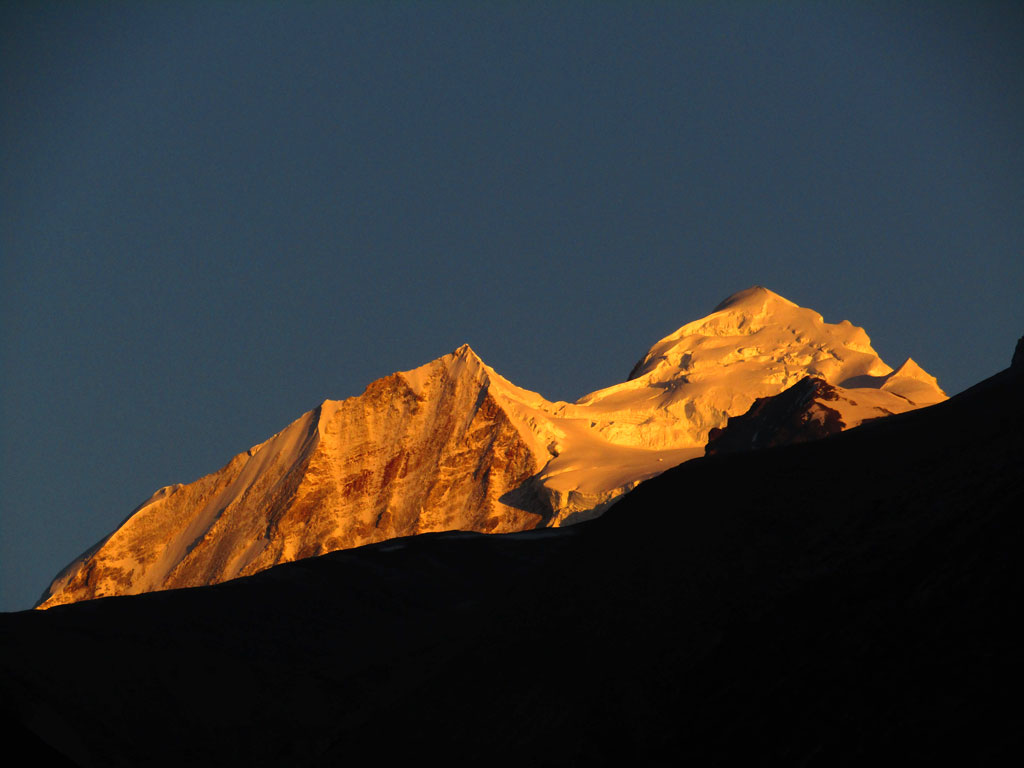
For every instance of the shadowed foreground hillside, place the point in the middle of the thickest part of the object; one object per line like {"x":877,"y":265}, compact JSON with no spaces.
{"x":826,"y":603}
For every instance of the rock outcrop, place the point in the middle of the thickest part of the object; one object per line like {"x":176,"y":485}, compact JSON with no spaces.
{"x":798,"y":415}
{"x":809,"y":410}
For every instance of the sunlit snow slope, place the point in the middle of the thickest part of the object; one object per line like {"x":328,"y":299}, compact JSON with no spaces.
{"x":452,"y":445}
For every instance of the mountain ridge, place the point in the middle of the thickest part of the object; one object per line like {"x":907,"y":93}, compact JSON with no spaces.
{"x":453,"y":445}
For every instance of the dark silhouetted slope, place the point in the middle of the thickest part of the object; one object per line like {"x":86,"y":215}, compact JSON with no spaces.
{"x":843,"y":601}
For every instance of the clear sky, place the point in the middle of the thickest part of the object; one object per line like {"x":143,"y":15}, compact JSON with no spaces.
{"x":215,"y":215}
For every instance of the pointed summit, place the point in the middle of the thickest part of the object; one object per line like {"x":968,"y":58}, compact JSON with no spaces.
{"x":754,"y":297}
{"x":914,"y":383}
{"x":464,"y":350}
{"x":912,"y":370}
{"x":459,"y":363}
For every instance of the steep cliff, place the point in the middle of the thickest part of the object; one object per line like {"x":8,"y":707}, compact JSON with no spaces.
{"x":430,"y":450}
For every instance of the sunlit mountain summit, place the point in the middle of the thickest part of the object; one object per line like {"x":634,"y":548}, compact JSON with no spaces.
{"x":453,"y":445}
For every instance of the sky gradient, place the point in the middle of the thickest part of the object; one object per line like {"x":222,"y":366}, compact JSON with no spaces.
{"x":213,"y":217}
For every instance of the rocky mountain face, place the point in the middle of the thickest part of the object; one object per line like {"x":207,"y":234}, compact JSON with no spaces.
{"x":416,"y":453}
{"x":452,"y":445}
{"x":799,"y":415}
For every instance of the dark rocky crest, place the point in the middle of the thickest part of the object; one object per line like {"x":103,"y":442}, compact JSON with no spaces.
{"x":797,"y":415}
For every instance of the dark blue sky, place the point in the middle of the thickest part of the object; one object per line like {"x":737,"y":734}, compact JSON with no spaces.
{"x":214,"y":216}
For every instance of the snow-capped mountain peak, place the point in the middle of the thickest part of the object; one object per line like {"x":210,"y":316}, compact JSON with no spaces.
{"x":452,"y":444}
{"x":759,"y":328}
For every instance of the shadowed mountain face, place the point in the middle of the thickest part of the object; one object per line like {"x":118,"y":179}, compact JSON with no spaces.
{"x":452,"y":445}
{"x":835,"y":602}
{"x":809,"y":410}
{"x":799,"y":415}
